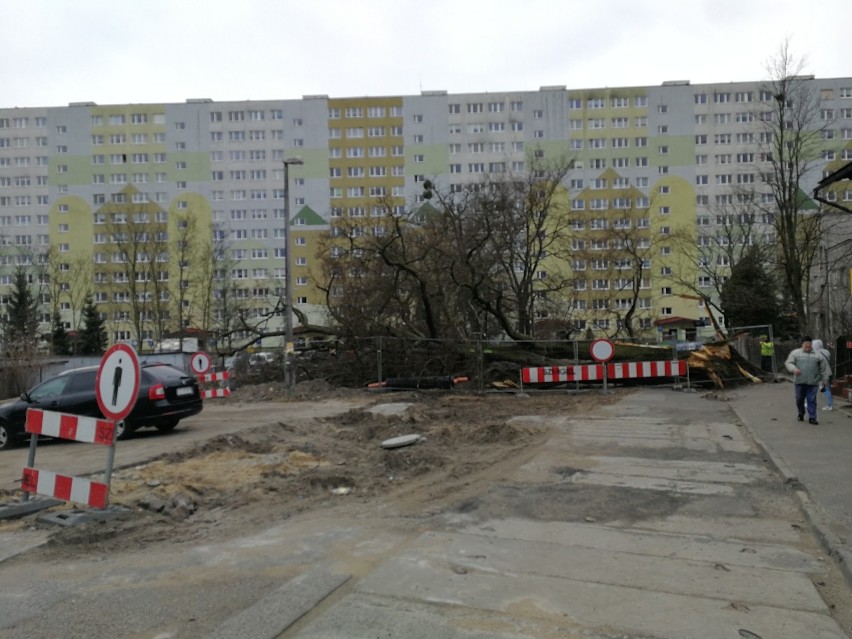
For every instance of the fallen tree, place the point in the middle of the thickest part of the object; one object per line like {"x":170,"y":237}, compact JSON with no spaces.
{"x":720,"y":363}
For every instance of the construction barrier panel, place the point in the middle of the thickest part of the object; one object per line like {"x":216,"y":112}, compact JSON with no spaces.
{"x":555,"y":374}
{"x":595,"y":372}
{"x":634,"y":370}
{"x":77,"y":428}
{"x":212,"y":393}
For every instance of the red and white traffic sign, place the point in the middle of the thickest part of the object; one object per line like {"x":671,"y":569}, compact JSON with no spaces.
{"x":117,"y":382}
{"x":200,"y":363}
{"x":602,"y":350}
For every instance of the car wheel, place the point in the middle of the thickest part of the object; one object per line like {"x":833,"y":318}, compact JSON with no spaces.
{"x":5,"y":436}
{"x":167,"y":426}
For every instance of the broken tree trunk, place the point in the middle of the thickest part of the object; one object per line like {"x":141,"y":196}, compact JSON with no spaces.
{"x":722,"y":365}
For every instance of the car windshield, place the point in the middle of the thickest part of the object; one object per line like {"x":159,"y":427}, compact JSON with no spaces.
{"x":50,"y":388}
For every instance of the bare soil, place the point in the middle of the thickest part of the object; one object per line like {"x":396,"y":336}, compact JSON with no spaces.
{"x":237,"y":483}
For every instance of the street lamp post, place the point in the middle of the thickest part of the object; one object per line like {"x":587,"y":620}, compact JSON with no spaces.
{"x":289,"y":369}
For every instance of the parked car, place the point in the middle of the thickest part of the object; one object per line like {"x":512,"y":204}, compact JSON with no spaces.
{"x":261,"y":359}
{"x":166,"y":396}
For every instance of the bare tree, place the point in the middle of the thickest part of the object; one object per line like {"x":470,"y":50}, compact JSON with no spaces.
{"x":477,"y":260}
{"x":139,"y":243}
{"x":511,"y":233}
{"x":215,"y":285}
{"x":185,"y":252}
{"x":380,"y":278}
{"x":80,"y":277}
{"x":790,"y":143}
{"x":617,"y":253}
{"x":728,"y":229}
{"x":236,"y":313}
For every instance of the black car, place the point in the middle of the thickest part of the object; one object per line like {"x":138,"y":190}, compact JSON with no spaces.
{"x":166,"y":395}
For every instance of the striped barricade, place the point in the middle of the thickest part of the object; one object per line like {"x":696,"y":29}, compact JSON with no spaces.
{"x":554,"y":374}
{"x":595,"y":372}
{"x":212,"y":393}
{"x":635,"y":370}
{"x":77,"y":428}
{"x":65,"y":487}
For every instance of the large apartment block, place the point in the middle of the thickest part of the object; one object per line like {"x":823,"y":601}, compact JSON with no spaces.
{"x":78,"y":183}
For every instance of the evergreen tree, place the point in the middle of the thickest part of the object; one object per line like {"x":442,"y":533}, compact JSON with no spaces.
{"x":20,"y":332}
{"x":93,"y":339}
{"x":20,"y":326}
{"x":59,"y":337}
{"x":749,"y":297}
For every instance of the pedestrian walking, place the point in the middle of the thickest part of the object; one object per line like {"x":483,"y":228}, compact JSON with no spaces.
{"x":767,"y":353}
{"x":809,"y":371}
{"x":826,"y":388}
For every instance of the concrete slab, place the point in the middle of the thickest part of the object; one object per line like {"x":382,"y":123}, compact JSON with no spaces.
{"x":595,"y":606}
{"x":638,"y":433}
{"x":279,"y":610}
{"x":693,"y":470}
{"x":69,"y":518}
{"x":733,"y":553}
{"x":473,"y":554}
{"x":17,"y":509}
{"x":703,"y":477}
{"x":730,"y":438}
{"x":360,"y":616}
{"x":20,"y":541}
{"x":651,"y":483}
{"x":776,"y":531}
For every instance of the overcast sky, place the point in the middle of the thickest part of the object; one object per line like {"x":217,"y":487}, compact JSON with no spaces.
{"x":127,"y":51}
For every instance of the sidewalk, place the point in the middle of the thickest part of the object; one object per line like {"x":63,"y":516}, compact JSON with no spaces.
{"x":816,"y":459}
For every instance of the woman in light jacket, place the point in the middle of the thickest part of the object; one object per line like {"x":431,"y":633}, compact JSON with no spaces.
{"x":824,"y":352}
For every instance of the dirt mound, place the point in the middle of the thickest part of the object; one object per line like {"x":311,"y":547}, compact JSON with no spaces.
{"x":283,"y":468}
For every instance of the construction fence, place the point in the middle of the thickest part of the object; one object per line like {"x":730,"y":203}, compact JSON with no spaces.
{"x":472,"y":365}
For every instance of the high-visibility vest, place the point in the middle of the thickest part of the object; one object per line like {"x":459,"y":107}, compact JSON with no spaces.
{"x":767,"y":349}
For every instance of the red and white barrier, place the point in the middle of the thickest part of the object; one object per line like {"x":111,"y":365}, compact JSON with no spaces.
{"x":553,"y":374}
{"x":213,"y":377}
{"x":78,"y":428}
{"x":633,"y":370}
{"x":82,"y":429}
{"x":212,"y":393}
{"x":65,"y":487}
{"x":595,"y":372}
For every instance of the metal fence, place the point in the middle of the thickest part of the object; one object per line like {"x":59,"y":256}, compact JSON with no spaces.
{"x":406,"y":363}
